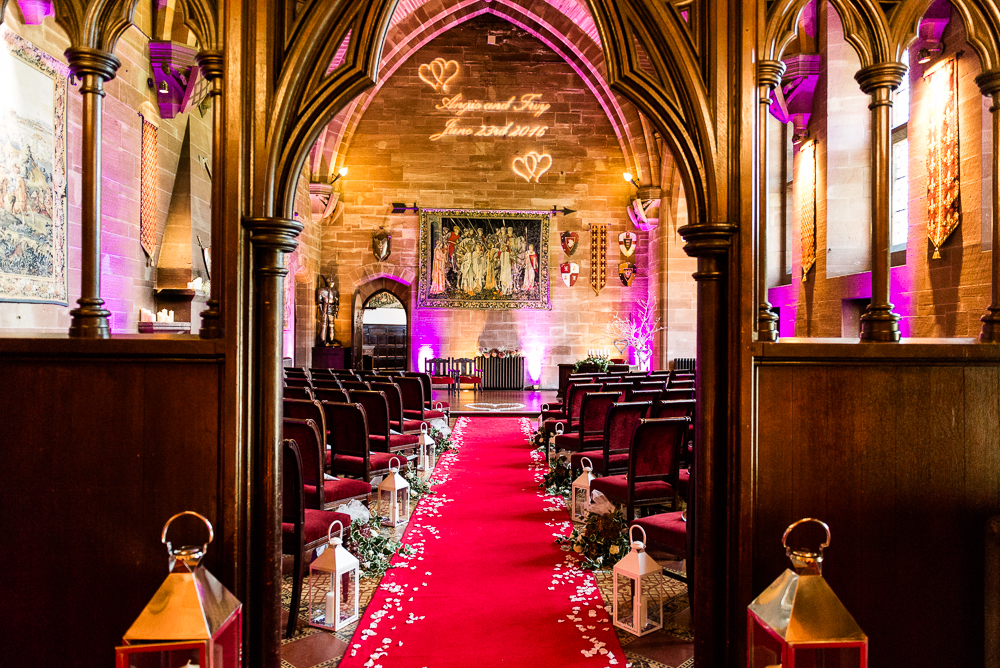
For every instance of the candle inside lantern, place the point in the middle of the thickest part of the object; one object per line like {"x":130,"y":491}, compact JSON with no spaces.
{"x":331,"y":608}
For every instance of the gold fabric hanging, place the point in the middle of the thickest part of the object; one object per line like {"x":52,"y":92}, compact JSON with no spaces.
{"x":148,"y":184}
{"x":944,"y":209}
{"x":598,"y":256}
{"x":807,"y":205}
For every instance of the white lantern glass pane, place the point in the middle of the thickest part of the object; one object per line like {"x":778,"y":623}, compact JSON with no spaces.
{"x":579,"y":501}
{"x":403,"y":503}
{"x":348,"y":593}
{"x":765,"y":649}
{"x":624,"y":600}
{"x":316,"y":591}
{"x":174,"y":657}
{"x":384,"y":504}
{"x":651,"y":614}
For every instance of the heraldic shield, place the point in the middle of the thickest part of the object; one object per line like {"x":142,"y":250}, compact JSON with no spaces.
{"x":570,"y":271}
{"x":626,"y":243}
{"x":570,"y":241}
{"x":381,"y":244}
{"x":626,"y":272}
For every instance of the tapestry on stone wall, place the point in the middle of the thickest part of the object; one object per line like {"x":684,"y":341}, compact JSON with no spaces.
{"x":944,"y":209}
{"x":598,"y":256}
{"x":148,"y":187}
{"x":807,"y":205}
{"x":32,"y":174}
{"x":484,"y":259}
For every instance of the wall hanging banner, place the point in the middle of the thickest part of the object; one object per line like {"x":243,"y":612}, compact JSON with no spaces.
{"x":32,"y":174}
{"x":598,"y":256}
{"x":148,"y":183}
{"x":484,"y":259}
{"x":943,"y":202}
{"x":807,"y":205}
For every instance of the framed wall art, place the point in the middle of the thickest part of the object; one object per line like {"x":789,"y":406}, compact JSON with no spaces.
{"x":484,"y":259}
{"x":32,"y":174}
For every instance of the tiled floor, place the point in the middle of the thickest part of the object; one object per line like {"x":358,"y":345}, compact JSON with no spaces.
{"x":671,"y":647}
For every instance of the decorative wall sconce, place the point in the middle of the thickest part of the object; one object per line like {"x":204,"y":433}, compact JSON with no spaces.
{"x":631,"y":179}
{"x":340,"y":173}
{"x":927,"y":54}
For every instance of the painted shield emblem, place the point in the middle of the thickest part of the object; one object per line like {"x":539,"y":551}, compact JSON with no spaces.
{"x":570,"y":271}
{"x":381,"y":244}
{"x":570,"y":240}
{"x":626,"y":242}
{"x":626,"y":272}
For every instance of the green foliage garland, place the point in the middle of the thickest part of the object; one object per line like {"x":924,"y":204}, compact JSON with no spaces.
{"x":373,"y":545}
{"x":602,"y":362}
{"x":559,"y":480}
{"x":602,"y":540}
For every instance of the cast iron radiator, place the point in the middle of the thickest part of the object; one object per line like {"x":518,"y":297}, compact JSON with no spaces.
{"x":502,"y":373}
{"x":684,"y":364}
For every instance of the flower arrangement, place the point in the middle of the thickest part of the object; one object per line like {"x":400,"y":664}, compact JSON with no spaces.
{"x":372,"y":547}
{"x":558,"y":481}
{"x":602,"y":362}
{"x":637,"y":330}
{"x":601,"y":541}
{"x":499,"y":352}
{"x":443,"y":443}
{"x":418,"y":486}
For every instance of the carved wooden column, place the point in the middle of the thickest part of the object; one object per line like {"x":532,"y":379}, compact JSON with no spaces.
{"x":93,"y":67}
{"x":211,"y":65}
{"x":989,"y":84}
{"x":768,"y":77}
{"x":879,"y":323}
{"x":708,"y":513}
{"x":270,"y":239}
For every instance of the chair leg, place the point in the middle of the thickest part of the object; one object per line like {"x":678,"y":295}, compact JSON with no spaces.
{"x":293,"y":610}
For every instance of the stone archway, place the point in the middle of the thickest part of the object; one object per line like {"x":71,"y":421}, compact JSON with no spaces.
{"x":364,"y":291}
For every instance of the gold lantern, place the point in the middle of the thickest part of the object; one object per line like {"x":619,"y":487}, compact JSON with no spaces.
{"x":334,"y":609}
{"x":638,"y":590}
{"x":580,"y":496}
{"x":192,"y":618}
{"x":799,"y":621}
{"x":394,"y":497}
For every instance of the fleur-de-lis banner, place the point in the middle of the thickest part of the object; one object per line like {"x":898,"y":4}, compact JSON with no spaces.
{"x":944,"y":208}
{"x":598,"y":256}
{"x":807,"y":205}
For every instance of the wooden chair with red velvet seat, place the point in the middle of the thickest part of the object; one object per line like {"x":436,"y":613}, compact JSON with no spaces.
{"x":335,"y":395}
{"x":441,"y":372}
{"x":411,"y":390}
{"x":395,"y":400}
{"x":379,"y":434}
{"x":642,"y":395}
{"x":667,"y":532}
{"x":618,"y":386}
{"x":678,"y":384}
{"x":320,"y":493}
{"x":467,"y":373}
{"x":652,"y":467}
{"x":297,"y":392}
{"x":354,"y":385}
{"x":302,"y":529}
{"x":590,"y":427}
{"x":425,"y":382}
{"x":651,"y":384}
{"x":297,"y":381}
{"x":350,"y":453}
{"x":612,"y":458}
{"x":674,"y":408}
{"x":569,"y":416}
{"x":677,"y":394}
{"x":680,"y":408}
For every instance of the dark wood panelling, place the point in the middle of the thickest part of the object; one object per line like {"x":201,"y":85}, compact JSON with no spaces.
{"x":902,"y":459}
{"x":95,"y":455}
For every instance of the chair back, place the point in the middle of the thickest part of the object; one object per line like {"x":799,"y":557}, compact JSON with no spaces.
{"x":677,"y":393}
{"x":575,"y":399}
{"x":670,"y":409}
{"x":594,"y":413}
{"x":619,"y":387}
{"x":376,"y":410}
{"x":438,"y":366}
{"x":465,"y":366}
{"x":393,"y":398}
{"x":681,"y":384}
{"x":297,"y":392}
{"x":335,"y":395}
{"x":342,"y":372}
{"x":329,"y":383}
{"x":655,"y":449}
{"x":619,"y":428}
{"x":296,"y":381}
{"x":411,"y":390}
{"x":354,"y":385}
{"x":292,"y":501}
{"x":315,"y":372}
{"x":650,"y":384}
{"x":425,"y":383}
{"x":642,"y":395}
{"x":349,"y":435}
{"x":306,"y":435}
{"x":304,"y":409}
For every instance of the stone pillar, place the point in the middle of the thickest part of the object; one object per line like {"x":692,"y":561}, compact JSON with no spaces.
{"x":211,"y":65}
{"x":708,"y":512}
{"x":270,"y":239}
{"x":94,"y":67}
{"x":879,"y":323}
{"x":989,"y":84}
{"x":768,"y":77}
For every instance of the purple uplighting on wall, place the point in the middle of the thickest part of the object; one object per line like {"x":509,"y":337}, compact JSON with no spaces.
{"x":534,"y":352}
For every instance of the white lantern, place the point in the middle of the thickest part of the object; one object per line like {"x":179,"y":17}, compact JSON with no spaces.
{"x":638,"y":590}
{"x":334,"y":609}
{"x":394,"y":497}
{"x":580,"y":496}
{"x":428,"y":450}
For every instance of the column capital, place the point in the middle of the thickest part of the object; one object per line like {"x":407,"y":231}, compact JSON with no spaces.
{"x":989,"y":82}
{"x":880,"y":75}
{"x":277,"y":234}
{"x":83,"y":61}
{"x":707,"y":239}
{"x":769,"y":73}
{"x":211,"y":64}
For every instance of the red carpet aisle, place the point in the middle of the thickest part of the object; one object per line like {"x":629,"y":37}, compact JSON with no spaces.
{"x":484,"y":584}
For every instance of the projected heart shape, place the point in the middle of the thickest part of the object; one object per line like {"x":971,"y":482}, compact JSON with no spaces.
{"x":438,"y":73}
{"x":532,"y":166}
{"x":494,"y":407}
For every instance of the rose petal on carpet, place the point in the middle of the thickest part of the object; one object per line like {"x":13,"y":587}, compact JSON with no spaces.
{"x":484,"y":583}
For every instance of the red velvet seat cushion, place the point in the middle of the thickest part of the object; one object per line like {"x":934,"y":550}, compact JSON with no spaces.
{"x":596,"y":457}
{"x":469,"y":379}
{"x":428,"y":415}
{"x":395,"y":441}
{"x":317,"y":524}
{"x":553,"y":415}
{"x":341,"y":488}
{"x":431,"y":404}
{"x":377,"y":461}
{"x":442,"y":380}
{"x":571,"y":441}
{"x":666,"y":531}
{"x":615,"y":487}
{"x":408,"y":425}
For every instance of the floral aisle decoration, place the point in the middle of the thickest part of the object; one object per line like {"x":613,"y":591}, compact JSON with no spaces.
{"x":558,"y":481}
{"x":373,"y":547}
{"x":637,"y":330}
{"x":418,"y":485}
{"x":499,"y":352}
{"x":601,"y":541}
{"x":444,"y":443}
{"x":602,"y":362}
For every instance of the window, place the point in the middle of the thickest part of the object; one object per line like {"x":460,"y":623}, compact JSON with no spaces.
{"x":900,"y":166}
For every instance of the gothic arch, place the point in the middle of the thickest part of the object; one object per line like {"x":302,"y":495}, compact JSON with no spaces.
{"x":362,"y":293}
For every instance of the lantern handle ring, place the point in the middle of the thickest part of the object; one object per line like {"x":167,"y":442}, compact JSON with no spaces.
{"x":589,"y":466}
{"x":791,"y":527}
{"x":398,"y":465}
{"x":631,"y":529}
{"x":329,"y":533}
{"x":211,"y":531}
{"x":423,"y":429}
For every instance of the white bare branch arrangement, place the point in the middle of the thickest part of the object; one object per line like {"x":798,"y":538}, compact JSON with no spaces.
{"x":636,"y":330}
